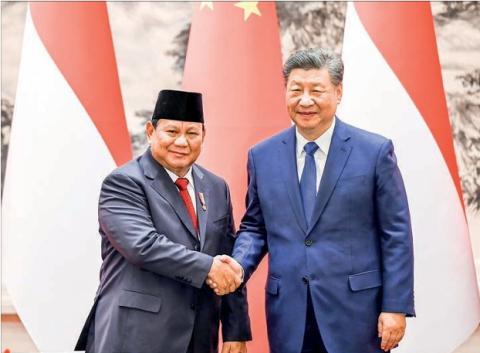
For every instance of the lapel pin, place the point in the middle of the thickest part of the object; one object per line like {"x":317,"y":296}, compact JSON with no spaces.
{"x":202,"y":201}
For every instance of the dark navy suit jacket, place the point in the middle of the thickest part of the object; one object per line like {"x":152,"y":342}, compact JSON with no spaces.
{"x":152,"y":296}
{"x":356,"y":257}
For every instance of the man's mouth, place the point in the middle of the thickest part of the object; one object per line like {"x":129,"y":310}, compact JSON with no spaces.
{"x":177,"y":153}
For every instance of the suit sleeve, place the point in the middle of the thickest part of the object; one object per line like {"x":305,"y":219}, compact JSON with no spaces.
{"x":251,"y":244}
{"x":126,"y":222}
{"x":393,"y":218}
{"x":234,"y":311}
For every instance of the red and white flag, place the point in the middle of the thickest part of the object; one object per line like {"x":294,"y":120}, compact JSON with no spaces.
{"x":393,"y":86}
{"x":234,"y":59}
{"x":68,"y":132}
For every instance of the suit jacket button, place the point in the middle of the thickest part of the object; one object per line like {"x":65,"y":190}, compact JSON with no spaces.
{"x":308,"y":242}
{"x":305,"y":279}
{"x":196,"y":247}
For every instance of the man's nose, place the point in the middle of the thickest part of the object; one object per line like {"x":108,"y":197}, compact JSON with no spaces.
{"x":181,"y":141}
{"x":306,"y":100}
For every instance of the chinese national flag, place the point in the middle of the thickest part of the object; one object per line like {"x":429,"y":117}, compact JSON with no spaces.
{"x":234,"y":60}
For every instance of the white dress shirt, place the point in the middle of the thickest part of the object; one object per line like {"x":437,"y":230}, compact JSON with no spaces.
{"x":320,"y":154}
{"x":190,"y":186}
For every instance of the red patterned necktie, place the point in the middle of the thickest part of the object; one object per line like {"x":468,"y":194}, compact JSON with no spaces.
{"x":182,"y":184}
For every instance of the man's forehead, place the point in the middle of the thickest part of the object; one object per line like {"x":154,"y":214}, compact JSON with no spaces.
{"x":314,"y":76}
{"x":299,"y":73}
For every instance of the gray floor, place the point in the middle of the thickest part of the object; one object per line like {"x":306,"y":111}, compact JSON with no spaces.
{"x":17,"y":340}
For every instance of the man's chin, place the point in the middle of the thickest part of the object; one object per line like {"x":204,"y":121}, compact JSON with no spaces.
{"x":177,"y":164}
{"x":307,"y":127}
{"x":307,"y":122}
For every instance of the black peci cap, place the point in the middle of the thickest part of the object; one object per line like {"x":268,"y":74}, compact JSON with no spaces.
{"x":179,"y":105}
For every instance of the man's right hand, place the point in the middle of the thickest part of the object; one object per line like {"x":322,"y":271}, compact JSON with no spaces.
{"x":223,"y":278}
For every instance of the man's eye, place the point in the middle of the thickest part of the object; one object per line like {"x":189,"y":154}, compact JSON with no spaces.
{"x":193,"y":133}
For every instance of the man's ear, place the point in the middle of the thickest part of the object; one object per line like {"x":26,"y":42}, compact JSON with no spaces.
{"x":149,"y":130}
{"x":339,"y":90}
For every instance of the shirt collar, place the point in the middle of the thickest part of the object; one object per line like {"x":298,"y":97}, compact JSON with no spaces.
{"x":323,"y":141}
{"x":174,"y":176}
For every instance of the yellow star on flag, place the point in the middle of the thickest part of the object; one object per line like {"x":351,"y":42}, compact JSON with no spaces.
{"x":248,"y":7}
{"x":208,"y":4}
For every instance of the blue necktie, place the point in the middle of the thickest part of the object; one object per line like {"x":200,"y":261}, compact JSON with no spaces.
{"x":308,"y":181}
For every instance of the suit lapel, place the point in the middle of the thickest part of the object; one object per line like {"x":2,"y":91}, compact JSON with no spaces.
{"x":163,"y":184}
{"x":336,"y":160}
{"x":288,"y":161}
{"x":201,"y":199}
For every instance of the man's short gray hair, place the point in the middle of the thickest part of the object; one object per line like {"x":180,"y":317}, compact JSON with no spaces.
{"x":315,"y":59}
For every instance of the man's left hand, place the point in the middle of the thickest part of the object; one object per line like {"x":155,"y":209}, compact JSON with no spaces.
{"x":234,"y":347}
{"x":391,"y":328}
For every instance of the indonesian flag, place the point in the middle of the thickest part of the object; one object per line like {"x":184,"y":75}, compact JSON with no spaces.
{"x":234,"y":59}
{"x":393,"y":86}
{"x":68,"y":133}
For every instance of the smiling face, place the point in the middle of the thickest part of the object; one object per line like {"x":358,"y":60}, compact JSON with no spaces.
{"x":312,"y":100}
{"x":175,"y":144}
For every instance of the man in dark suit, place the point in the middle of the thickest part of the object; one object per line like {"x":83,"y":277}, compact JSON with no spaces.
{"x":327,"y":202}
{"x":163,"y":221}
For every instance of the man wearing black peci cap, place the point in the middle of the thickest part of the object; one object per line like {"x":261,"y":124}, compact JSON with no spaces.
{"x":164,"y":221}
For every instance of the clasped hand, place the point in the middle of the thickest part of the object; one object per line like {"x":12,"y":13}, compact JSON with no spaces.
{"x":225,"y":275}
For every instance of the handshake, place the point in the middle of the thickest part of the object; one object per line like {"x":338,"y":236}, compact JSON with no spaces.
{"x":225,"y":275}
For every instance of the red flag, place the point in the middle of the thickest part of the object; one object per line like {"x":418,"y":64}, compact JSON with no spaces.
{"x":68,"y":132}
{"x":78,"y":38}
{"x":393,"y":86}
{"x":234,"y":59}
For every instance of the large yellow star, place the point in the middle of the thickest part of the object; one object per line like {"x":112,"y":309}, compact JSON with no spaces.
{"x":208,"y":4}
{"x":248,"y":7}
